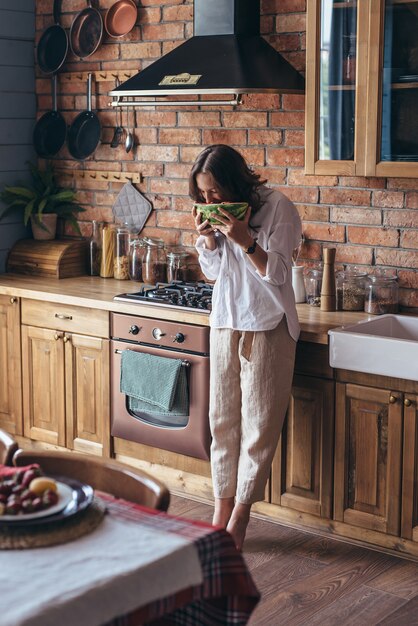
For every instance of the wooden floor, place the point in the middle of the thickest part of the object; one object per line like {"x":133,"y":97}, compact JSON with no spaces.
{"x":309,"y":580}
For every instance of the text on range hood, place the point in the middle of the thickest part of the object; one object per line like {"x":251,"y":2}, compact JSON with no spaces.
{"x":226,"y":55}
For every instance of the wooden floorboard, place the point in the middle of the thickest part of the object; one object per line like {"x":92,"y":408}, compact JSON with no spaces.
{"x":307,"y":580}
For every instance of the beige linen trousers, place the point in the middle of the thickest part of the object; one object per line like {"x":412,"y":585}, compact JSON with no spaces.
{"x":251,"y":378}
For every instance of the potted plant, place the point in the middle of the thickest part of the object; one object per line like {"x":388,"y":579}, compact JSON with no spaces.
{"x":42,"y":201}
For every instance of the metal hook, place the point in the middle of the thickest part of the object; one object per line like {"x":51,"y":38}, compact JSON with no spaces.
{"x":105,"y":177}
{"x":116,"y":177}
{"x":93,"y":175}
{"x":104,"y":76}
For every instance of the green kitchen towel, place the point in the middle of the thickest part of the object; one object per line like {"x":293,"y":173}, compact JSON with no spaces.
{"x":152,"y":379}
{"x":180,"y":406}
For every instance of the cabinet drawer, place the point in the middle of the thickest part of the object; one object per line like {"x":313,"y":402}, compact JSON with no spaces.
{"x":65,"y":317}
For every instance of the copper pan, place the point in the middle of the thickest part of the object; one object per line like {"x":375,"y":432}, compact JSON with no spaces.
{"x":121,"y":18}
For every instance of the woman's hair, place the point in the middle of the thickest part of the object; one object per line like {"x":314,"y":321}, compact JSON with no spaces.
{"x":235,"y":181}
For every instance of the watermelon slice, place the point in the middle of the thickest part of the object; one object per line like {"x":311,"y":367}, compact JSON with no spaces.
{"x":237,"y":209}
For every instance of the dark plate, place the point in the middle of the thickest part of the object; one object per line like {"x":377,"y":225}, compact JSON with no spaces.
{"x":82,"y":498}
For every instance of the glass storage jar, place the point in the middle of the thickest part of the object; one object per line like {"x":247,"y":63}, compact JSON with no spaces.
{"x":351,"y":286}
{"x":382,"y":295}
{"x":136,"y":258}
{"x":176,"y":265}
{"x":120,"y":265}
{"x":108,"y":251}
{"x":154,"y":266}
{"x":313,"y":284}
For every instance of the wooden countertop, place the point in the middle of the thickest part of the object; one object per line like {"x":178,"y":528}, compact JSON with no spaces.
{"x":98,"y":293}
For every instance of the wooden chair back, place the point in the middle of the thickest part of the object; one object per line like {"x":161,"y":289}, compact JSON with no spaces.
{"x":106,"y":475}
{"x":8,"y":446}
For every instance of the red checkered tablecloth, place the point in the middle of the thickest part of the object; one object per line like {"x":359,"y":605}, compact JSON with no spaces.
{"x":227,"y":595}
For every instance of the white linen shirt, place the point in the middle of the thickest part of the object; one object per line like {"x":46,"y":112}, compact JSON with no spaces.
{"x":243,"y":299}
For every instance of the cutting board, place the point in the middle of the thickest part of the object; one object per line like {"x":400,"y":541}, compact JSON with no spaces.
{"x":59,"y":258}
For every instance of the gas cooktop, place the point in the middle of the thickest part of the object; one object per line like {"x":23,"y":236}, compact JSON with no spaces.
{"x":196,"y":296}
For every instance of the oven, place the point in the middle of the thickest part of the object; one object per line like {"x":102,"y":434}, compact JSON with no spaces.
{"x":188,"y":434}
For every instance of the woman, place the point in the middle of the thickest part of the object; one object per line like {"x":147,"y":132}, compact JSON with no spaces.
{"x":254,"y":327}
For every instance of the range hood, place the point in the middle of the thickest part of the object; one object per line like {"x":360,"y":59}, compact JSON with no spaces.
{"x":226,"y":55}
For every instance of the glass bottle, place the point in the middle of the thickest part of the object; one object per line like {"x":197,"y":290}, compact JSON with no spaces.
{"x":120,"y":264}
{"x":154,"y":266}
{"x":176,"y":265}
{"x":95,"y":248}
{"x":382,"y":295}
{"x":313,"y":284}
{"x":298,"y":283}
{"x":108,"y":251}
{"x":349,"y":64}
{"x":136,"y":257}
{"x":351,"y":286}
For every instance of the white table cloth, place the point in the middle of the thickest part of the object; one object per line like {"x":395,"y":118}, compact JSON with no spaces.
{"x":121,"y":565}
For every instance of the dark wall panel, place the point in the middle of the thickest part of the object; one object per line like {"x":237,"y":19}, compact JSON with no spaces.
{"x":17,"y":107}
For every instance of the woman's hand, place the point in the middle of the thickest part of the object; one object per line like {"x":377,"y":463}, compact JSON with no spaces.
{"x":204,"y":228}
{"x":235,"y":230}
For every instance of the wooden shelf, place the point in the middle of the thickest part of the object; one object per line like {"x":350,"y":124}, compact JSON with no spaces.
{"x":102,"y":176}
{"x":345,"y":5}
{"x":342,"y":88}
{"x":405,"y":85}
{"x":99,"y":75}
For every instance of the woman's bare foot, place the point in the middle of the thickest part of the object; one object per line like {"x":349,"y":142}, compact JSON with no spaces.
{"x":237,"y":526}
{"x":223,"y":511}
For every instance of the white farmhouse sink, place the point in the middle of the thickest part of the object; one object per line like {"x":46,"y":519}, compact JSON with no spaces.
{"x":387,"y":345}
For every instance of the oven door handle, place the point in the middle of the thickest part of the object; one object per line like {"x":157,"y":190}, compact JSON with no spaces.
{"x":184,"y":362}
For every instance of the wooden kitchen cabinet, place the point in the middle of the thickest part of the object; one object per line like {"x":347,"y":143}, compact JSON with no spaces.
{"x":368,"y":457}
{"x":11,"y":416}
{"x":409,"y":516}
{"x":362,"y":87}
{"x":301,"y":477}
{"x":66,"y":373}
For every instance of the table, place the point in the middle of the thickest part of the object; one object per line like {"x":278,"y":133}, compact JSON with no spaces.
{"x":139,"y":566}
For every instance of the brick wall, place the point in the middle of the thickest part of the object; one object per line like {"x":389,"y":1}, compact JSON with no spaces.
{"x":372,"y":221}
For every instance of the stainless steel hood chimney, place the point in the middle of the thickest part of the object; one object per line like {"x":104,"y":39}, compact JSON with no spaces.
{"x":226,"y":55}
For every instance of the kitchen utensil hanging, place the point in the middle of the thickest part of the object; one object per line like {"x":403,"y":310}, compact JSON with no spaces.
{"x":84,"y":132}
{"x":86,"y":32}
{"x":118,"y":134}
{"x":51,"y":129}
{"x":130,"y":140}
{"x":121,"y":18}
{"x":53,"y":45}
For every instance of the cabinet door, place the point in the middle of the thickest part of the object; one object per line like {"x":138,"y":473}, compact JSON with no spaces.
{"x":87,"y":394}
{"x":392,"y":147}
{"x":410,"y":469}
{"x":302,"y":467}
{"x":43,"y":385}
{"x":368,"y":449}
{"x":336,"y":80}
{"x":11,"y":418}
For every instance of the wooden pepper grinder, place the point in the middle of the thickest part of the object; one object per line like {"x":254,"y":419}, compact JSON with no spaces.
{"x":328,"y":288}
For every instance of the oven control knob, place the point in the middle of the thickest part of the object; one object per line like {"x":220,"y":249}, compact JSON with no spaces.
{"x":179,"y":338}
{"x":157,"y":333}
{"x":134,"y":329}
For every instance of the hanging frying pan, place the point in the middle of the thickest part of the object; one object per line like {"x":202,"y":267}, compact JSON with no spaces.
{"x":84,"y":133}
{"x":50,"y":130}
{"x":53,"y":45}
{"x":86,"y":32}
{"x":121,"y":18}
